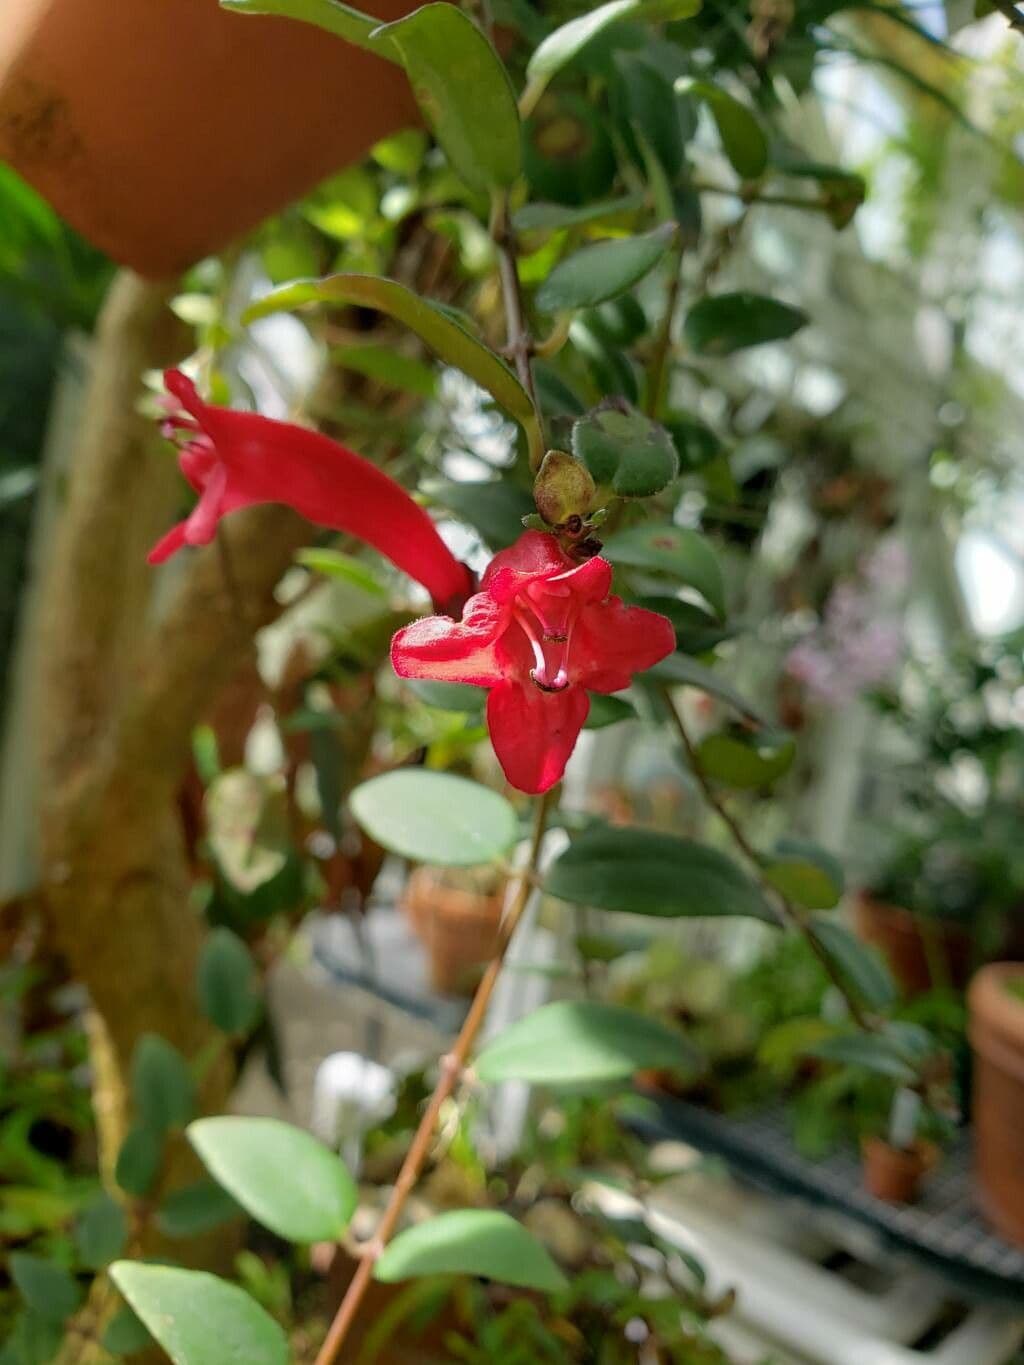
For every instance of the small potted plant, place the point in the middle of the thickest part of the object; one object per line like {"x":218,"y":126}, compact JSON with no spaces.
{"x":895,"y":1162}
{"x":941,"y":902}
{"x":996,"y":1013}
{"x":457,"y":914}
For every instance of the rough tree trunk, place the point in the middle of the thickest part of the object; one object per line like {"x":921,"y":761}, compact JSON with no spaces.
{"x":122,"y":686}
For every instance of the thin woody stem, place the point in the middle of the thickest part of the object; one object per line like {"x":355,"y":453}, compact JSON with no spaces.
{"x":663,"y":341}
{"x":789,"y":915}
{"x":519,"y":343}
{"x":452,"y":1067}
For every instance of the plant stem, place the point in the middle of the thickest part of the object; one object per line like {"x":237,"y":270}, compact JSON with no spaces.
{"x":788,"y":913}
{"x":452,"y":1067}
{"x":663,"y":341}
{"x":519,"y":342}
{"x":1011,"y":13}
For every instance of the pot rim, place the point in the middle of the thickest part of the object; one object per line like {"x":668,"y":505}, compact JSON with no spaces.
{"x":992,"y":1006}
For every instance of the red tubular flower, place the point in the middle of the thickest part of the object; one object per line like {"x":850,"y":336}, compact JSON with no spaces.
{"x":238,"y":459}
{"x":540,"y":633}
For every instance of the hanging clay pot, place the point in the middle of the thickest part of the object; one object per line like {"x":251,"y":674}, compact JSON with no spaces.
{"x":163,"y":129}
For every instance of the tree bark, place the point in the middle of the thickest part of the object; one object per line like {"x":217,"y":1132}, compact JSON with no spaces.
{"x":125,"y":676}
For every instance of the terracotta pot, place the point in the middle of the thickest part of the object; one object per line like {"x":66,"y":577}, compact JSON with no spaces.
{"x":894,"y":1173}
{"x":913,"y":945}
{"x":459,"y":927}
{"x":163,"y":129}
{"x":996,"y":1029}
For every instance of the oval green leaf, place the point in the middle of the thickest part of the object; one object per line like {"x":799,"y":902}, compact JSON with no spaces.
{"x":724,"y":323}
{"x":162,"y":1085}
{"x":465,"y":93}
{"x":478,"y":1242}
{"x":871,"y":1051}
{"x":199,"y":1319}
{"x":227,"y":983}
{"x":626,"y":451}
{"x":676,"y":551}
{"x":195,"y":1209}
{"x":446,"y":337}
{"x":101,"y":1232}
{"x":742,"y":136}
{"x":697,"y":630}
{"x":644,"y":872}
{"x":49,"y":1290}
{"x":330,"y":15}
{"x":861,"y":965}
{"x":603,"y":270}
{"x":680,"y":670}
{"x":746,"y":759}
{"x":575,"y":1042}
{"x":139,"y":1160}
{"x":281,"y":1175}
{"x":435,"y":817}
{"x":806,"y":874}
{"x":494,"y":507}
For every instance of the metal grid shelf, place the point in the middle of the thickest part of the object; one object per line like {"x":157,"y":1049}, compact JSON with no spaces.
{"x":945,"y":1230}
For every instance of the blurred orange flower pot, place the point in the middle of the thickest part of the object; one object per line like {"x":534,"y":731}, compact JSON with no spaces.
{"x":458,"y":918}
{"x":163,"y":129}
{"x":996,"y":1007}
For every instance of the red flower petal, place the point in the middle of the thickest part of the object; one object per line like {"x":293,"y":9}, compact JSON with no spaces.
{"x":535,"y":555}
{"x":612,"y":642}
{"x":534,"y":732}
{"x":454,"y":651}
{"x":268,"y":461}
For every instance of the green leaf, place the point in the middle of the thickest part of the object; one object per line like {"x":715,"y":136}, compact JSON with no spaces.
{"x":101,"y":1232}
{"x":575,"y":1042}
{"x":550,"y":217}
{"x":697,"y":630}
{"x":474,"y":116}
{"x":162,"y":1085}
{"x":388,"y":366}
{"x":444,"y":696}
{"x":696,"y":444}
{"x":644,"y":872}
{"x":746,"y":759}
{"x":680,"y":553}
{"x":248,"y":828}
{"x":806,"y":874}
{"x":435,"y":817}
{"x":34,"y":1340}
{"x":626,"y":451}
{"x":477,"y":1242}
{"x":872,"y":1051}
{"x":494,"y":507}
{"x":346,"y":568}
{"x":723,"y":323}
{"x":228,"y":991}
{"x":199,"y":1319}
{"x":125,"y":1334}
{"x":560,"y":47}
{"x":446,"y":337}
{"x":651,"y":110}
{"x":742,"y":136}
{"x":861,"y":965}
{"x":281,"y":1175}
{"x":139,"y":1160}
{"x":605,"y":711}
{"x":679,"y":669}
{"x":602,"y":270}
{"x":330,"y":15}
{"x":47,"y":1288}
{"x":196,"y":1209}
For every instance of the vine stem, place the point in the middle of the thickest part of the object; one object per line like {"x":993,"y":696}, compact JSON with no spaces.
{"x":788,"y":913}
{"x":1011,"y":13}
{"x":663,"y":340}
{"x":452,"y":1067}
{"x":519,"y":343}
